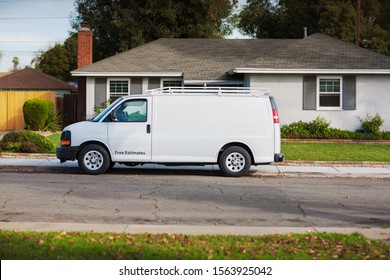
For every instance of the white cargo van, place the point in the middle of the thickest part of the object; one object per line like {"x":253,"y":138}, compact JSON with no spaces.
{"x":232,"y":127}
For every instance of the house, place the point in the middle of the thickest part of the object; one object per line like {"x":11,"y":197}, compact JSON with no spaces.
{"x":2,"y":74}
{"x":19,"y":86}
{"x":310,"y":77}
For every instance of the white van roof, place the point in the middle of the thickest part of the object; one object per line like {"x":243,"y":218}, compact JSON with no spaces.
{"x":210,"y":91}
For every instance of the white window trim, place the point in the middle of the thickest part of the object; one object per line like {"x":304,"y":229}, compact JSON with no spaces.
{"x":162,"y":80}
{"x":116,"y":79}
{"x":319,"y":108}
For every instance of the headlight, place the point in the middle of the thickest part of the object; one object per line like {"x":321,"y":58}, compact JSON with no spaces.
{"x":65,"y":138}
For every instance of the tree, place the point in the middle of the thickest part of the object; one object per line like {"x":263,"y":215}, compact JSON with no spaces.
{"x":258,"y":19}
{"x":279,"y":19}
{"x":336,"y":18}
{"x":15,"y":61}
{"x":59,"y":60}
{"x":124,"y":24}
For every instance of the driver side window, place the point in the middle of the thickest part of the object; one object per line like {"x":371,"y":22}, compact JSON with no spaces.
{"x":131,"y":111}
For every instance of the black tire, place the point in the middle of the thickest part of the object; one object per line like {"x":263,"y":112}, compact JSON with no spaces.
{"x":235,"y":162}
{"x":94,"y":159}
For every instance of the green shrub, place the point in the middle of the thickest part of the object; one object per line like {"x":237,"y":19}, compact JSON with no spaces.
{"x":40,"y":114}
{"x":53,"y":121}
{"x":100,"y":108}
{"x":25,"y":141}
{"x":35,"y":113}
{"x":320,"y":129}
{"x":372,"y":124}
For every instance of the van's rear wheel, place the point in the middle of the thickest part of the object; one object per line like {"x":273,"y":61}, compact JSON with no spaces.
{"x":94,"y":159}
{"x":235,"y":162}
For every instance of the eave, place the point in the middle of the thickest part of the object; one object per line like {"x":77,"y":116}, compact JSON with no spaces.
{"x":308,"y":71}
{"x":126,"y":74}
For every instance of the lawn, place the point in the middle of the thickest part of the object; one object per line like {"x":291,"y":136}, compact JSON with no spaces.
{"x":55,"y":138}
{"x":107,"y":246}
{"x":336,"y":152}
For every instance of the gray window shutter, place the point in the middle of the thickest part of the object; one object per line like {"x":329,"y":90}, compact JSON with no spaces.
{"x":309,"y":92}
{"x":349,"y":93}
{"x":100,"y":91}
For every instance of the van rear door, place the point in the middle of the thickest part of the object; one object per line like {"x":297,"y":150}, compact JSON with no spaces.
{"x":129,"y":132}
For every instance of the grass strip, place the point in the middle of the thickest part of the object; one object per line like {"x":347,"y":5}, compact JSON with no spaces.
{"x":110,"y":246}
{"x":336,"y":152}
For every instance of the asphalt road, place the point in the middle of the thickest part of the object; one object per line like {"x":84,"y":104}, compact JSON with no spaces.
{"x":188,"y":198}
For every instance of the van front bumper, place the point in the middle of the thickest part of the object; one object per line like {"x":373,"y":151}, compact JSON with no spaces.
{"x":279,"y":157}
{"x":66,"y":153}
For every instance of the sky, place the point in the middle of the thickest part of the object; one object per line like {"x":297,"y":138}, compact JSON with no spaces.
{"x":28,"y":27}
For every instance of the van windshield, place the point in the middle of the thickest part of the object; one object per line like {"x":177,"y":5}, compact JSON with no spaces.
{"x":103,"y":113}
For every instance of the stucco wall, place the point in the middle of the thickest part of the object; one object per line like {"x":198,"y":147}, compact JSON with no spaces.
{"x":372,"y":95}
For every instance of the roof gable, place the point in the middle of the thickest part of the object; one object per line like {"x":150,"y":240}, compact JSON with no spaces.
{"x":31,"y":79}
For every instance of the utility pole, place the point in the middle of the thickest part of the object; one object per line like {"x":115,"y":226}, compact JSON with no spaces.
{"x":358,"y":23}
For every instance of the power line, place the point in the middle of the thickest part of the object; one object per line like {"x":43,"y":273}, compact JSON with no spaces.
{"x":31,"y":42}
{"x":29,"y":1}
{"x":12,"y":51}
{"x":19,"y":18}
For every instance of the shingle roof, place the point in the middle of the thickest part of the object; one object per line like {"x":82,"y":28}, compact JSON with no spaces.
{"x":30,"y":79}
{"x":210,"y":59}
{"x":199,"y":59}
{"x":2,"y":74}
{"x":319,"y":51}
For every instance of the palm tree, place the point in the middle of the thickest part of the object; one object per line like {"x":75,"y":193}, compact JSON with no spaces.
{"x":15,"y":61}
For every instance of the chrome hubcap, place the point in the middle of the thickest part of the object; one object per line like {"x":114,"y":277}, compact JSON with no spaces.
{"x":93,"y":160}
{"x":235,"y":162}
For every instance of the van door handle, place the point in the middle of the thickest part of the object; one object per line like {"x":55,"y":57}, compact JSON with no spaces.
{"x":148,"y":128}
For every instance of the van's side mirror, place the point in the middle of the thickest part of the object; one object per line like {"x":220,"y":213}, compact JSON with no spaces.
{"x":114,"y":116}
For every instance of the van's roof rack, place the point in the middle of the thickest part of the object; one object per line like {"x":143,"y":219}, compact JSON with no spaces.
{"x":210,"y":90}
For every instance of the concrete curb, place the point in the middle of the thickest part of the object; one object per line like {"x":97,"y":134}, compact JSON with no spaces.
{"x":284,"y":163}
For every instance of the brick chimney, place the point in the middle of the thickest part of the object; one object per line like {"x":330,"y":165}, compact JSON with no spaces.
{"x":84,"y":58}
{"x":84,"y":45}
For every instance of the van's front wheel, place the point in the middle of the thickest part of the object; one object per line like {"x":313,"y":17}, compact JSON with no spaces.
{"x":235,"y":162}
{"x":94,"y":159}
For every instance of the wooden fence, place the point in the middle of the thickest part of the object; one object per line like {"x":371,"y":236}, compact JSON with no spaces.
{"x":11,"y":107}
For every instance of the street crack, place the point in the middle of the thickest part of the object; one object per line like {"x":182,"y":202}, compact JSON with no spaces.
{"x":66,"y":195}
{"x":4,"y":204}
{"x":299,"y":206}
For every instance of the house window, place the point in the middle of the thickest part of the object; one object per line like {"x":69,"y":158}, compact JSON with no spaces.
{"x":118,"y":88}
{"x":171,"y":83}
{"x":329,"y":93}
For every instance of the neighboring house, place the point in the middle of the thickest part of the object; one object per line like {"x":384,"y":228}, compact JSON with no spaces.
{"x":2,"y":74}
{"x":19,"y":86}
{"x":310,"y":77}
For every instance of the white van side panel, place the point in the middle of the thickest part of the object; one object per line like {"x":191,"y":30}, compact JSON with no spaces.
{"x":195,"y":128}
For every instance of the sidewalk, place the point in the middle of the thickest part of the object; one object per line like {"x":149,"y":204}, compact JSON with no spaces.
{"x":48,"y":162}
